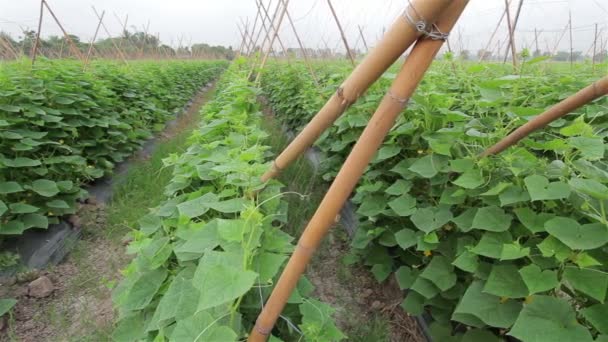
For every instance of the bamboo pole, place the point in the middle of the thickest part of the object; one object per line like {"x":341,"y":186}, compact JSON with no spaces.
{"x":144,"y":41}
{"x":257,"y":38}
{"x":86,"y":61}
{"x":268,"y":35}
{"x":118,"y":50}
{"x":536,"y":40}
{"x":394,"y":43}
{"x":243,"y":39}
{"x":521,"y":3}
{"x":363,"y":38}
{"x":349,"y":53}
{"x":255,"y":24}
{"x":371,"y":139}
{"x":274,"y":36}
{"x":511,"y":34}
{"x":502,"y":17}
{"x":37,"y":42}
{"x":71,"y":43}
{"x":594,"y":49}
{"x":559,"y":40}
{"x":273,"y":28}
{"x":571,"y":49}
{"x":581,"y":98}
{"x":304,"y":52}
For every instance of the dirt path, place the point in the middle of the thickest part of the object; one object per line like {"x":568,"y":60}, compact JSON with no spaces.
{"x":75,"y":303}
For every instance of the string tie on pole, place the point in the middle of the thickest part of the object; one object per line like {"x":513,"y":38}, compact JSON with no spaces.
{"x":345,"y":102}
{"x":401,"y":101}
{"x":421,"y":25}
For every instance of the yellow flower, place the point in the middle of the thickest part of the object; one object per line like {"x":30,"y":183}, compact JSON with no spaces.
{"x":503,"y":300}
{"x":50,"y":213}
{"x":61,"y":141}
{"x":428,"y":253}
{"x":529,"y":300}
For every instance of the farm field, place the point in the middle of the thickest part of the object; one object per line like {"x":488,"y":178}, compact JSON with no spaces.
{"x":406,"y":190}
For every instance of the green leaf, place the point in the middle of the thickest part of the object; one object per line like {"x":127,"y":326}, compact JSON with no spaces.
{"x":198,"y":206}
{"x":22,"y":208}
{"x":471,"y":179}
{"x":219,"y":281}
{"x":400,"y":187}
{"x":413,"y":303}
{"x":512,"y":251}
{"x":532,"y":221}
{"x":180,"y":299}
{"x":479,"y":335}
{"x":230,"y":206}
{"x":45,"y":187}
{"x":406,"y":238}
{"x":540,"y":189}
{"x":404,"y":205}
{"x":10,"y":187}
{"x":405,"y":277}
{"x":387,"y":152}
{"x":429,"y":166}
{"x":372,"y":205}
{"x":149,"y":224}
{"x":425,"y":287}
{"x":491,"y":244}
{"x":537,"y":280}
{"x":22,"y":162}
{"x":467,"y":261}
{"x":381,"y":271}
{"x":6,"y":304}
{"x":35,"y":221}
{"x":488,"y":308}
{"x":138,"y":294}
{"x":317,"y":321}
{"x":440,"y":272}
{"x":58,"y":204}
{"x":549,"y":319}
{"x":589,"y":187}
{"x":464,"y":221}
{"x":202,"y":327}
{"x":592,"y":148}
{"x":492,"y":219}
{"x":588,"y":281}
{"x":10,"y":108}
{"x":431,"y":218}
{"x":267,"y":265}
{"x":553,"y":247}
{"x":505,"y":281}
{"x":576,"y":236}
{"x":596,"y":315}
{"x":513,"y":194}
{"x":3,"y":208}
{"x":231,"y":230}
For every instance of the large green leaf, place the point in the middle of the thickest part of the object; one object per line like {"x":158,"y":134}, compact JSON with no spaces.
{"x":590,"y":187}
{"x":538,"y":280}
{"x":488,"y":308}
{"x":576,"y":236}
{"x":549,"y":319}
{"x":6,"y":304}
{"x":492,"y":219}
{"x":596,"y":315}
{"x":404,"y":205}
{"x":10,"y":187}
{"x":540,"y":189}
{"x":220,"y":281}
{"x":491,"y":244}
{"x":505,"y":281}
{"x":45,"y":187}
{"x":429,"y":166}
{"x":202,"y":327}
{"x":589,"y":281}
{"x":440,"y":272}
{"x":471,"y":179}
{"x":431,"y":218}
{"x":198,"y":206}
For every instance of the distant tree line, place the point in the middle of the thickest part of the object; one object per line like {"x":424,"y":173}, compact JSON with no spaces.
{"x":130,"y":45}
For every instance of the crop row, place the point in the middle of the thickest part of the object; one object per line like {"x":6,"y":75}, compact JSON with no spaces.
{"x":61,"y":127}
{"x":206,"y":257}
{"x":514,"y":244}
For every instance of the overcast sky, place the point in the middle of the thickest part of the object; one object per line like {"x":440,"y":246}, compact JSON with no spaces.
{"x":215,"y":22}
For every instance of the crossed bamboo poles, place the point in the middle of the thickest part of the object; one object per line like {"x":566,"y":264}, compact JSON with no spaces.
{"x":414,"y":24}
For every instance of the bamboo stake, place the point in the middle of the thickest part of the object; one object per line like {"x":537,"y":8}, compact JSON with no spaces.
{"x":511,"y":34}
{"x":242,"y":40}
{"x":276,"y":29}
{"x":571,"y":49}
{"x":144,"y":40}
{"x":8,"y":48}
{"x":268,"y":35}
{"x":37,"y":42}
{"x":276,"y":34}
{"x":304,"y":52}
{"x":86,"y":61}
{"x":584,"y":96}
{"x":363,"y":38}
{"x":521,"y":3}
{"x":594,"y":49}
{"x":371,"y":139}
{"x":118,"y":50}
{"x":483,"y":54}
{"x":257,"y":38}
{"x":71,"y":43}
{"x":396,"y":40}
{"x":255,"y":24}
{"x":559,"y":40}
{"x":348,"y":51}
{"x":536,"y":40}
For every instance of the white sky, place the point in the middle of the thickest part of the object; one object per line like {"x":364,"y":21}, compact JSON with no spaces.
{"x":214,"y":22}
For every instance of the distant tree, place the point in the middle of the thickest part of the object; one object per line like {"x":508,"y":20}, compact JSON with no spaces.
{"x":465,"y":55}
